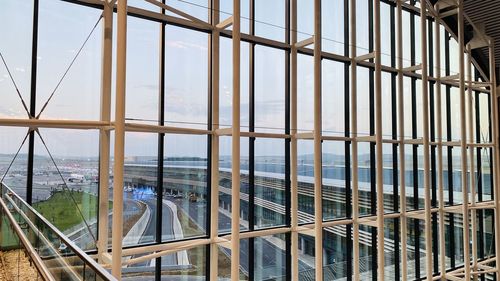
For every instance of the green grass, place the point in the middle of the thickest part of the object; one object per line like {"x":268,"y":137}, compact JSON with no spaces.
{"x":61,"y":211}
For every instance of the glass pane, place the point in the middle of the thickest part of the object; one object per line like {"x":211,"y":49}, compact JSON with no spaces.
{"x":225,"y":184}
{"x":14,"y":177}
{"x":269,"y":90}
{"x":185,"y":265}
{"x":333,"y":104}
{"x":184,"y":187}
{"x":186,"y":78}
{"x":139,"y":193}
{"x":65,"y":182}
{"x":334,"y":176}
{"x":270,"y":258}
{"x":63,"y":29}
{"x":269,"y":183}
{"x":335,"y":253}
{"x":305,"y":170}
{"x":306,"y":257}
{"x":270,"y":19}
{"x":15,"y":48}
{"x":143,"y":60}
{"x":332,"y":24}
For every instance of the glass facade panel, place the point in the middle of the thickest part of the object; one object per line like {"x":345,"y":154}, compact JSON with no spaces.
{"x":68,"y":61}
{"x":58,"y":148}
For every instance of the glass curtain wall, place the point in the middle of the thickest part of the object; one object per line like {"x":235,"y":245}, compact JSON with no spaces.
{"x":175,"y":145}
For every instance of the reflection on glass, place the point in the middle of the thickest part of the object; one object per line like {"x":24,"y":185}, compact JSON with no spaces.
{"x":185,"y":265}
{"x":391,"y":255}
{"x":14,"y":177}
{"x":186,"y":78}
{"x":65,"y":178}
{"x":335,"y":253}
{"x":269,"y":90}
{"x":226,"y":84}
{"x":270,"y":19}
{"x":225,"y":184}
{"x":363,"y":96}
{"x":367,"y":259}
{"x":305,"y":170}
{"x":334,"y":185}
{"x":306,"y":257}
{"x":184,"y":187}
{"x":63,"y":28}
{"x":332,"y":103}
{"x":364,"y":179}
{"x":332,"y":26}
{"x":269,"y":183}
{"x":15,"y":48}
{"x":224,"y":262}
{"x":139,"y":190}
{"x":142,"y":71}
{"x":270,"y":258}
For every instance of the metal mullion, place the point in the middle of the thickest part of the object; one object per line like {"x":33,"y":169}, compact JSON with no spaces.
{"x":480,"y":213}
{"x":450,"y":151}
{"x":288,"y":236}
{"x":347,"y":147}
{"x":394,"y":115}
{"x":293,"y":145}
{"x":208,"y":222}
{"x":31,"y":143}
{"x":432,"y":108}
{"x":214,"y":141}
{"x":401,"y":130}
{"x":416,"y":224}
{"x":161,"y":142}
{"x":251,"y":146}
{"x":354,"y":143}
{"x":373,"y":177}
{"x":379,"y":145}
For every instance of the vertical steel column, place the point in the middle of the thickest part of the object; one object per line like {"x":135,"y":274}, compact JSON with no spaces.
{"x":161,"y":144}
{"x":378,"y":142}
{"x":472,"y":175}
{"x":426,"y":144}
{"x":496,"y":152}
{"x":439,"y":128}
{"x":214,"y":161}
{"x":31,"y":142}
{"x":463,"y":140}
{"x":318,"y":209}
{"x":293,"y":145}
{"x":104,"y":135}
{"x":121,"y":58}
{"x":354,"y":134}
{"x":401,"y":130}
{"x":235,"y":162}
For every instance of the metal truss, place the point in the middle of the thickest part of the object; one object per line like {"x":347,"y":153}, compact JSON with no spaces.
{"x":473,"y":267}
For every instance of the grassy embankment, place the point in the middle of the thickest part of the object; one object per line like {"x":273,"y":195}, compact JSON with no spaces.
{"x":61,"y":211}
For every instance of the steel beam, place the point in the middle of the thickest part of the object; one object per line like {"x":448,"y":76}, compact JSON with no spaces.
{"x":121,"y":75}
{"x":104,"y":135}
{"x":235,"y":149}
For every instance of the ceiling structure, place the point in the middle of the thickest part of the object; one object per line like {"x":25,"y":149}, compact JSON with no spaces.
{"x":486,"y":13}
